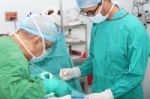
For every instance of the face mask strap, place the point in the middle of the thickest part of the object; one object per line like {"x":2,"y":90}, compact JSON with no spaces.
{"x":100,"y":9}
{"x":101,"y":6}
{"x":43,"y":41}
{"x":111,"y":9}
{"x":22,"y":43}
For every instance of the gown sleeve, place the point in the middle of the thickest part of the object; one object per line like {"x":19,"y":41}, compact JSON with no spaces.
{"x":15,"y":82}
{"x":137,"y":57}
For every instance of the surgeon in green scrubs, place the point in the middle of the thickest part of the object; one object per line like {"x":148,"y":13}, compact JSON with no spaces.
{"x":28,"y":44}
{"x":118,"y":52}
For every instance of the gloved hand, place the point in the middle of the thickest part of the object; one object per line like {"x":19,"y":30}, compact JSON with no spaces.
{"x":69,"y":73}
{"x":58,"y":87}
{"x":107,"y":94}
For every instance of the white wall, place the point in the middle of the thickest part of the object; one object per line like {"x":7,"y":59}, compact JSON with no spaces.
{"x":126,"y":4}
{"x":23,"y":7}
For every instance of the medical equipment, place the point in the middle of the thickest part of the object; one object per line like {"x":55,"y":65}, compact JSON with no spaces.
{"x":138,"y":10}
{"x":61,"y":14}
{"x":74,"y":95}
{"x":47,"y":75}
{"x":141,"y":1}
{"x":147,"y":16}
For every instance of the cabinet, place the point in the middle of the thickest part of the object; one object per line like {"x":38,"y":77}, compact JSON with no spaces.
{"x":78,"y":57}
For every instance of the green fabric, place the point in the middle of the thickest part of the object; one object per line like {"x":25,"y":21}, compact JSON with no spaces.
{"x":56,"y":59}
{"x":59,"y":87}
{"x":14,"y":75}
{"x":118,"y":56}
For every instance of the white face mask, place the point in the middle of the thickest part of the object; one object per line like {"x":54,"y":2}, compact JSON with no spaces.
{"x":37,"y":59}
{"x":34,"y":58}
{"x":98,"y":18}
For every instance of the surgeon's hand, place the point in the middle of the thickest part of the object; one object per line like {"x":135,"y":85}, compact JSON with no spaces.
{"x":69,"y":73}
{"x":58,"y":87}
{"x":107,"y":94}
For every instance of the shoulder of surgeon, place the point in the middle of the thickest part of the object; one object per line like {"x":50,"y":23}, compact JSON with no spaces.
{"x":9,"y":47}
{"x":132,"y":23}
{"x":7,"y":42}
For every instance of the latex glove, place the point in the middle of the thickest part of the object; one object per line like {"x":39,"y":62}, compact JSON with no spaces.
{"x":58,"y":87}
{"x":69,"y":73}
{"x":65,"y":97}
{"x":107,"y":94}
{"x":45,"y":75}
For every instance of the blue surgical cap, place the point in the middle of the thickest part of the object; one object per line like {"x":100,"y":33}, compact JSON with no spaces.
{"x":40,"y":26}
{"x":87,"y":3}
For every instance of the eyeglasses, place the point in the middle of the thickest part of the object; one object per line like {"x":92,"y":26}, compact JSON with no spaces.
{"x":90,"y":13}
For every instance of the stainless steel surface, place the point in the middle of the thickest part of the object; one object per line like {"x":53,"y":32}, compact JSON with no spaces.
{"x":61,"y":15}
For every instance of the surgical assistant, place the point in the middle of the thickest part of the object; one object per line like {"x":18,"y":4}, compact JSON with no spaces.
{"x":118,"y":52}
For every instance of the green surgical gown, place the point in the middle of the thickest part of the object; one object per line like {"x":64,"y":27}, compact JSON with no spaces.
{"x":14,"y":75}
{"x":118,"y":56}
